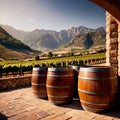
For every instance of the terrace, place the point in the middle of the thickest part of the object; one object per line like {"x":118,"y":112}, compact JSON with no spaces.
{"x":20,"y":104}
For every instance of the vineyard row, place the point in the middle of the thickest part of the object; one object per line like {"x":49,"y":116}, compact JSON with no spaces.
{"x":21,"y":69}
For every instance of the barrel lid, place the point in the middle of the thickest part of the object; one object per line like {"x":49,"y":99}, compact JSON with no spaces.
{"x":40,"y":68}
{"x":67,"y":68}
{"x":96,"y":69}
{"x":75,"y":67}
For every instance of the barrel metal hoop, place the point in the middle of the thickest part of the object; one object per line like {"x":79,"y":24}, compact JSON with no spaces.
{"x":40,"y":69}
{"x":95,"y":69}
{"x":96,"y":104}
{"x":97,"y":93}
{"x":59,"y":75}
{"x":95,"y":109}
{"x":38,"y":84}
{"x":59,"y":69}
{"x":105,"y":78}
{"x":41,"y":91}
{"x":57,"y":96}
{"x":59,"y":86}
{"x":57,"y":102}
{"x":39,"y":75}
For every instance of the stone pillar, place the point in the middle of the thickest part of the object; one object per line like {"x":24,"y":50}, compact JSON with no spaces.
{"x":111,"y":42}
{"x":118,"y":65}
{"x":119,"y":50}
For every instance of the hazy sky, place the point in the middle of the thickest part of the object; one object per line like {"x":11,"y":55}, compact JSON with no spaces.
{"x":50,"y":14}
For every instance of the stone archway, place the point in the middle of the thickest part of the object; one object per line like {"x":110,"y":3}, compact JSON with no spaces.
{"x":112,"y":32}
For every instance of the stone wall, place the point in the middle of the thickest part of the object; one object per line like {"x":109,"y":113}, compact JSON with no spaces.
{"x":15,"y":82}
{"x":111,"y":42}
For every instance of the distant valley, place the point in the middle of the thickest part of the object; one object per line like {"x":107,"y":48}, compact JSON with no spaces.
{"x":39,"y":39}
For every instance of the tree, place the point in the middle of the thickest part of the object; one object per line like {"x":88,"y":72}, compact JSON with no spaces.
{"x":50,"y":55}
{"x":37,"y":57}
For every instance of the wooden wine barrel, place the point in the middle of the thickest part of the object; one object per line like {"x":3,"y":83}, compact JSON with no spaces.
{"x":97,"y":88}
{"x":60,"y":85}
{"x":76,"y":71}
{"x":38,"y":81}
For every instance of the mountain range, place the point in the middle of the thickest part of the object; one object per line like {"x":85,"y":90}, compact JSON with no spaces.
{"x":41,"y":39}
